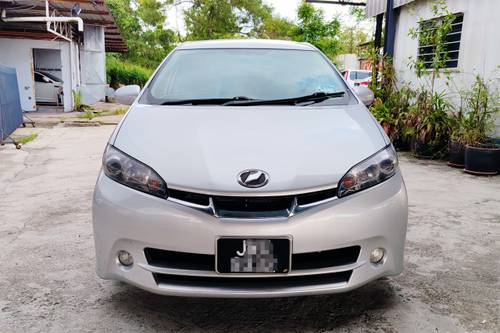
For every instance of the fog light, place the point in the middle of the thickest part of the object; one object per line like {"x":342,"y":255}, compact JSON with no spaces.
{"x":125,"y":258}
{"x":377,"y":255}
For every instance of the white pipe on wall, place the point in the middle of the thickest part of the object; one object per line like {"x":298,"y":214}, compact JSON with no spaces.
{"x":44,"y":19}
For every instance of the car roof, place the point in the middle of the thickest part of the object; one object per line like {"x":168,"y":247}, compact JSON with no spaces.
{"x":245,"y":44}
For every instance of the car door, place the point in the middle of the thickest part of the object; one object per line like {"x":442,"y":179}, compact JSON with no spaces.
{"x":45,"y":90}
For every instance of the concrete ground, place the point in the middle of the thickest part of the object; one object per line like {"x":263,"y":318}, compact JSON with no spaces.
{"x":48,"y":116}
{"x":48,"y":284}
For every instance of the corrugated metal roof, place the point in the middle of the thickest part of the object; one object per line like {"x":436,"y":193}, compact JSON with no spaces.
{"x":93,"y":12}
{"x":375,"y":7}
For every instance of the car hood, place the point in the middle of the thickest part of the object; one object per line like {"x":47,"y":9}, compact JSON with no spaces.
{"x":204,"y":148}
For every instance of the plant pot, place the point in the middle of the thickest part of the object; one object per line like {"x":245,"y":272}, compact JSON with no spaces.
{"x":482,"y":161}
{"x":426,"y":151}
{"x":456,"y":154}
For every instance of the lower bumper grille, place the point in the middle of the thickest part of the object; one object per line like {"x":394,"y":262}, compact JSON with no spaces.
{"x":252,"y":283}
{"x":206,"y":262}
{"x":180,"y":260}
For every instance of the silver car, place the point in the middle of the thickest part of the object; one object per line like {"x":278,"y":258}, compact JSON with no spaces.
{"x":248,"y":169}
{"x":48,"y":88}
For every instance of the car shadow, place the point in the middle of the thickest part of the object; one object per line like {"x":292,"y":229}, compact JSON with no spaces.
{"x":156,"y":312}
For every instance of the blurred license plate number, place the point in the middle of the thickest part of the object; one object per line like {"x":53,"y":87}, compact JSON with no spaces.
{"x":244,"y":255}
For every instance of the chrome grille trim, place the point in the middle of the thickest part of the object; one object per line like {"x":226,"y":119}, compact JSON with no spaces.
{"x":294,"y":208}
{"x":302,"y":272}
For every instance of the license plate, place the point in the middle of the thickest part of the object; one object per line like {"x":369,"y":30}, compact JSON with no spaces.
{"x":254,"y":255}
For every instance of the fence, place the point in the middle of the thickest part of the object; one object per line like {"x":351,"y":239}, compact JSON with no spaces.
{"x":11,"y":114}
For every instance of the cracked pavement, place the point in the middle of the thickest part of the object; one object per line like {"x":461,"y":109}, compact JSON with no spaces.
{"x":48,"y":284}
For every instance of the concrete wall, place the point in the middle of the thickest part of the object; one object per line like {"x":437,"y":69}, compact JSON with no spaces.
{"x":479,"y":47}
{"x":18,"y":53}
{"x":348,"y":61}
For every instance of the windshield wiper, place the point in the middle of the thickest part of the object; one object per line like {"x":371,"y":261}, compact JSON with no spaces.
{"x":316,"y":97}
{"x":207,"y":101}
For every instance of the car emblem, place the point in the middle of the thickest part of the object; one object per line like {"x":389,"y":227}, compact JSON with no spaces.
{"x":253,"y":178}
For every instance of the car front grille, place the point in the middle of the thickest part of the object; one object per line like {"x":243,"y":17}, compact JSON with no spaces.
{"x":206,"y":262}
{"x":250,"y":283}
{"x":252,"y":207}
{"x":180,"y":260}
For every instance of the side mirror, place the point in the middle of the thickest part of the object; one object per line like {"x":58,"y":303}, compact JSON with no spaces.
{"x":127,"y":95}
{"x":365,"y":95}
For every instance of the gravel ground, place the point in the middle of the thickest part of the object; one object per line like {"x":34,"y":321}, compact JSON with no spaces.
{"x":48,"y":284}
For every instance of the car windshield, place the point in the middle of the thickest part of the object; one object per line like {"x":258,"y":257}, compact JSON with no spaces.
{"x":50,"y":76}
{"x":249,"y":74}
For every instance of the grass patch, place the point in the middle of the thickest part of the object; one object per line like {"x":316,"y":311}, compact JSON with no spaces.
{"x":27,"y":138}
{"x":89,"y":114}
{"x":119,"y":111}
{"x":116,"y":112}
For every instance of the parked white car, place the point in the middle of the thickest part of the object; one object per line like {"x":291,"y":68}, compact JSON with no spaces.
{"x":48,"y":88}
{"x":248,"y":169}
{"x":356,"y":77}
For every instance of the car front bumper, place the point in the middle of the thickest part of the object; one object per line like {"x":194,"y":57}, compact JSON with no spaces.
{"x":125,"y":219}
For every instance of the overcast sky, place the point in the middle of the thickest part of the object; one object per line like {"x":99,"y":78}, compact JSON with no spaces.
{"x":284,"y":8}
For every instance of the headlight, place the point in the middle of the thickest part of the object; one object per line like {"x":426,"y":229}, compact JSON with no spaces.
{"x":372,"y":171}
{"x":132,"y":173}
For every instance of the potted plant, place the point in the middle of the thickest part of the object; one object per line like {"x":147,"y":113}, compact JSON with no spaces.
{"x":456,"y":145}
{"x":391,"y":105}
{"x":482,"y":154}
{"x":456,"y":153}
{"x":428,"y":124}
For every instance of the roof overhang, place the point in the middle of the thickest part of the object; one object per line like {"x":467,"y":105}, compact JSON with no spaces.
{"x":376,"y":7}
{"x":93,"y":12}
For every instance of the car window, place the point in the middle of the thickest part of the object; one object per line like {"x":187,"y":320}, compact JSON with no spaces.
{"x":363,"y":75}
{"x":52,"y":77}
{"x":253,"y":73}
{"x":353,"y":75}
{"x":39,"y":78}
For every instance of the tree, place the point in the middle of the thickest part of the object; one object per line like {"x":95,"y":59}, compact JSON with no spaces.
{"x":313,"y":28}
{"x":216,"y":19}
{"x":141,"y":23}
{"x":151,"y":12}
{"x":350,"y":38}
{"x":275,"y":27}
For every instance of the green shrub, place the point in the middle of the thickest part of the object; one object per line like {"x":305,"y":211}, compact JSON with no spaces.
{"x":77,"y":99}
{"x":123,"y":73}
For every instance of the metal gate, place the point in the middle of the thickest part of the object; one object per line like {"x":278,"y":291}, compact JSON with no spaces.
{"x":11,"y":114}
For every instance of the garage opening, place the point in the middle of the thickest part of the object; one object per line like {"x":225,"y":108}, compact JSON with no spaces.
{"x":47,"y":74}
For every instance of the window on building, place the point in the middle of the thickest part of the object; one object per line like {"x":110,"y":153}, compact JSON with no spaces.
{"x":427,"y":52}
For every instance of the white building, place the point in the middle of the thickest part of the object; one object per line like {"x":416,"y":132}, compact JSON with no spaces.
{"x":474,"y":46}
{"x":65,"y":38}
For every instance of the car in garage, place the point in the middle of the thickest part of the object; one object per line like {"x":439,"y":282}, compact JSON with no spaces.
{"x":48,"y":88}
{"x":248,"y":168}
